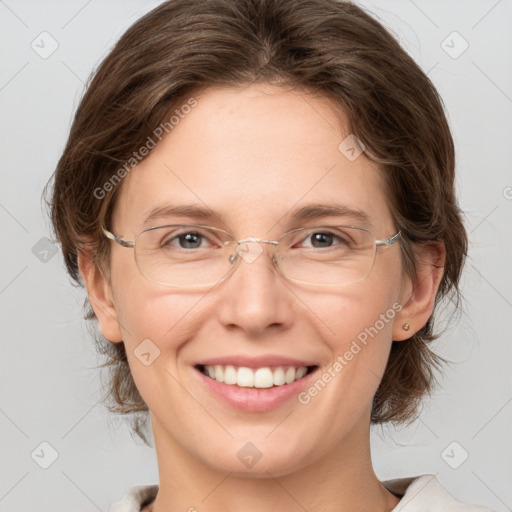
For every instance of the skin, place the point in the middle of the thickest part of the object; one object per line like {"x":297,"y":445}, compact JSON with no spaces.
{"x":252,"y":155}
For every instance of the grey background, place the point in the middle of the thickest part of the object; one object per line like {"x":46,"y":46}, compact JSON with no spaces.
{"x":49,"y":389}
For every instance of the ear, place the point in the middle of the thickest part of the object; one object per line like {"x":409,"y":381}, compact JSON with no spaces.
{"x":419,"y":294}
{"x":100,"y":295}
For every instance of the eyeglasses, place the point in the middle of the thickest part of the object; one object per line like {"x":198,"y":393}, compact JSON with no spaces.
{"x":193,"y":256}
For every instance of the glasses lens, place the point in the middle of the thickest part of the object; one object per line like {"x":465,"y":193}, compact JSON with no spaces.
{"x":193,"y":256}
{"x":183,"y":255}
{"x":332,"y":256}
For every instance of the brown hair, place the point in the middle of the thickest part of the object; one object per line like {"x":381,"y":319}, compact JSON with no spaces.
{"x":329,"y":47}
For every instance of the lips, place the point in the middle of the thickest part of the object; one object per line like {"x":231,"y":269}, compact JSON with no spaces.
{"x":255,"y":384}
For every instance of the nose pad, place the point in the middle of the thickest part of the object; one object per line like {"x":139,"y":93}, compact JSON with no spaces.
{"x":249,"y":249}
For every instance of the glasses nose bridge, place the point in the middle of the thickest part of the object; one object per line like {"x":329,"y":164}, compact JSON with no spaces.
{"x":243,"y":251}
{"x":253,"y":239}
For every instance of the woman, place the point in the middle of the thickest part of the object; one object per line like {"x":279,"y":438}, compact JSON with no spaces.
{"x":259,"y":198}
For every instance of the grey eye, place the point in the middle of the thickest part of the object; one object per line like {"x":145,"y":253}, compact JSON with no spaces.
{"x":190,"y":240}
{"x":184,"y":240}
{"x":325,"y":239}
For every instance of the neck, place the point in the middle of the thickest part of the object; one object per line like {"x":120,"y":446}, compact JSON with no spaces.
{"x":340,"y":480}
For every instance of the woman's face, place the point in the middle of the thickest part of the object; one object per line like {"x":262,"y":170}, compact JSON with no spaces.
{"x":254,"y":157}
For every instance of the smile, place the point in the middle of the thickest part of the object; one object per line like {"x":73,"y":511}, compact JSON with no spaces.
{"x":260,"y":378}
{"x":255,"y":384}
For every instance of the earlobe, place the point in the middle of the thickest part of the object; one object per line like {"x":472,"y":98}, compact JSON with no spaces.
{"x":100,"y":296}
{"x":419,"y":297}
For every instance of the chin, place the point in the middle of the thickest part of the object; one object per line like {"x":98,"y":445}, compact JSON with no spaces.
{"x":260,"y":458}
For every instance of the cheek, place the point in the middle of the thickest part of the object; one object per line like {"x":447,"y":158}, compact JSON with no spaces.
{"x":363,"y":311}
{"x":155,"y":328}
{"x":154,"y":322}
{"x":145,"y":310}
{"x":359,"y":324}
{"x":163,"y":317}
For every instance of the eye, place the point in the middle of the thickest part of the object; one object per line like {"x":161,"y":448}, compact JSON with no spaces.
{"x":326,"y":239}
{"x":189,"y":240}
{"x":186,"y":240}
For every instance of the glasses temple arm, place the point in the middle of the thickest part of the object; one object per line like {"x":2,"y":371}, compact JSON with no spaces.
{"x":117,"y":239}
{"x":388,"y":241}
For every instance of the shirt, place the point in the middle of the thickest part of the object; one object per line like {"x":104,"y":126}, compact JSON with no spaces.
{"x":418,"y":494}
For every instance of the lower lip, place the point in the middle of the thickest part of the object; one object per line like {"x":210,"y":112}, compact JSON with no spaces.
{"x":255,"y":399}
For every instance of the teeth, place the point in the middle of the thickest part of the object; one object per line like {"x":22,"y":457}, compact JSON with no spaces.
{"x":261,"y":378}
{"x":245,"y":377}
{"x":230,"y":375}
{"x":219,"y":373}
{"x":278,"y":377}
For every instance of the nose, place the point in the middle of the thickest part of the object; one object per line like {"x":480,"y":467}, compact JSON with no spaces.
{"x":254,"y":297}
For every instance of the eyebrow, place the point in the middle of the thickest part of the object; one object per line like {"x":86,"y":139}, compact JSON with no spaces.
{"x":319,"y":210}
{"x":306,"y":213}
{"x":193,"y":211}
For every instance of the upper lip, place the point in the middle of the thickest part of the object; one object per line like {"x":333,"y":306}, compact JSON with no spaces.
{"x":255,"y":361}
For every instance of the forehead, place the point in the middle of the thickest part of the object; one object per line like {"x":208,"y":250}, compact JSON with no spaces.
{"x":253,"y":155}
